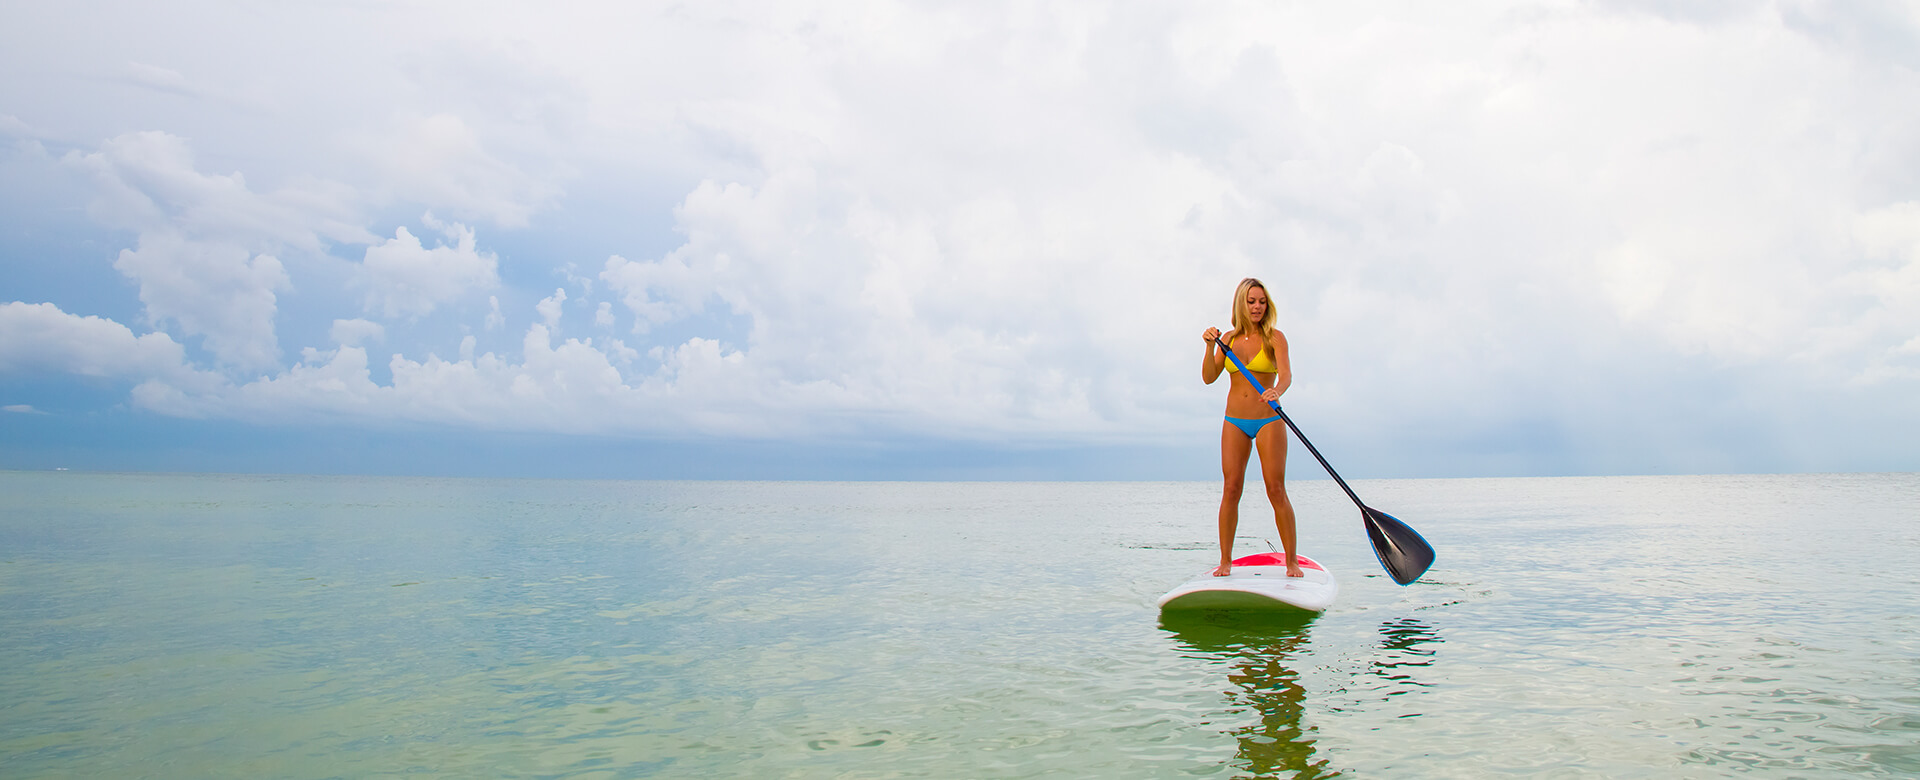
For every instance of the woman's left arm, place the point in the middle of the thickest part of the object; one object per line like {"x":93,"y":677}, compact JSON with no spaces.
{"x":1282,"y":367}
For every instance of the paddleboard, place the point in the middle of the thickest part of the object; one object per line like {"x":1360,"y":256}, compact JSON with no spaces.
{"x":1258,"y":583}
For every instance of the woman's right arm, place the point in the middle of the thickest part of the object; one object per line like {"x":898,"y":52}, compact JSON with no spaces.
{"x":1210,"y":364}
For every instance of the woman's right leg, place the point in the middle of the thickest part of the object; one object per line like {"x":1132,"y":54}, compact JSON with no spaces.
{"x":1235,"y":447}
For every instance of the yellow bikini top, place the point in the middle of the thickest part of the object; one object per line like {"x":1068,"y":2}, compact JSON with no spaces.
{"x":1262,"y":363}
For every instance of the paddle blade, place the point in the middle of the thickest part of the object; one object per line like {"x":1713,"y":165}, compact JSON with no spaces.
{"x":1402,"y":552}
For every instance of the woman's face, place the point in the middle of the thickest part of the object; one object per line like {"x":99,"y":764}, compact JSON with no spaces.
{"x":1257,"y":304}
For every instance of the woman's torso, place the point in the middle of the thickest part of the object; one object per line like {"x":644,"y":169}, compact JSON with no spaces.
{"x":1242,"y":399}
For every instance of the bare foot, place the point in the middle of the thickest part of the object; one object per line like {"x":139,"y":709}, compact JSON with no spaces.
{"x":1223,"y":570}
{"x":1293,"y":570}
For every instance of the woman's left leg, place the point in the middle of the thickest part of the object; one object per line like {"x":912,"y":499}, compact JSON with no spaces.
{"x":1272,"y":446}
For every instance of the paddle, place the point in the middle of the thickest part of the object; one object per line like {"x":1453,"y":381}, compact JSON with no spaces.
{"x":1402,"y":552}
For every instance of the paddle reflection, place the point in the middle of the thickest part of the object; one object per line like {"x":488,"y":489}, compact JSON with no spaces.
{"x":1272,"y":745}
{"x":1405,"y":645}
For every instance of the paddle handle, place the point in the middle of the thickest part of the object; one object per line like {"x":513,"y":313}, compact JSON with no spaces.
{"x":1255,"y":381}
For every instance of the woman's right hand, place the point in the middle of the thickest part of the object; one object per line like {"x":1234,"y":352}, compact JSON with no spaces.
{"x":1210,"y":362}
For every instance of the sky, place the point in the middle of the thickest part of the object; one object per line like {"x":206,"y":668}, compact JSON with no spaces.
{"x":956,"y":240}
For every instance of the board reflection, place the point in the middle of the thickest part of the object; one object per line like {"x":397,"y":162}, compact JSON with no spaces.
{"x":1264,"y":692}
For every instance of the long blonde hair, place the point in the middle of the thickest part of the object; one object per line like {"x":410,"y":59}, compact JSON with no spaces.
{"x":1243,"y":320}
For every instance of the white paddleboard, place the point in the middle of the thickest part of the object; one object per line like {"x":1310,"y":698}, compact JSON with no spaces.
{"x":1258,"y":582}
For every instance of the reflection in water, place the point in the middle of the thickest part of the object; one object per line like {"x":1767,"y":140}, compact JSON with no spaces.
{"x":1404,"y":645}
{"x":1272,"y":745}
{"x":1258,"y":651}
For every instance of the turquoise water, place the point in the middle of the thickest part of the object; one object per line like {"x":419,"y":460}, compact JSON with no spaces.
{"x":223,"y":626}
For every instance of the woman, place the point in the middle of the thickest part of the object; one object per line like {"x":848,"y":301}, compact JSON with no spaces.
{"x":1251,"y":423}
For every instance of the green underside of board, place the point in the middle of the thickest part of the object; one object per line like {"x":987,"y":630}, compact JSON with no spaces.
{"x":1230,"y":599}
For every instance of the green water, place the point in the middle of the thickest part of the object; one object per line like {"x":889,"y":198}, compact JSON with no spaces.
{"x":222,"y":626}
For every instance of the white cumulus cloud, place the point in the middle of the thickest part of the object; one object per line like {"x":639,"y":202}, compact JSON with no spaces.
{"x":41,"y":337}
{"x":211,"y":289}
{"x":550,"y":308}
{"x":407,"y":279}
{"x":204,"y":262}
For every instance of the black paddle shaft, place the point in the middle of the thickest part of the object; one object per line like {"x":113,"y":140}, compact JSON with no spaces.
{"x":1401,"y":550}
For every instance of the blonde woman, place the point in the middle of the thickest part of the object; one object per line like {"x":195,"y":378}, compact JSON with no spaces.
{"x":1251,"y":423}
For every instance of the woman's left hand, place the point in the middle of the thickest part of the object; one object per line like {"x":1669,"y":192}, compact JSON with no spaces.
{"x":1272,"y":395}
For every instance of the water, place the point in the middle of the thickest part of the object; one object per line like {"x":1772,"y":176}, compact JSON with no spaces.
{"x":310,"y":627}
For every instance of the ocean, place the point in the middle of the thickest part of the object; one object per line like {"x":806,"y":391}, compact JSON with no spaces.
{"x":217,"y":626}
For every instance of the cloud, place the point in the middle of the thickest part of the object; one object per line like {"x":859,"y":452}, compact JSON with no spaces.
{"x":202,"y":263}
{"x":1885,"y":295}
{"x":407,"y":279}
{"x":658,"y":291}
{"x":14,"y":127}
{"x":697,"y":389}
{"x":148,"y":180}
{"x":213,"y":290}
{"x":550,"y":309}
{"x":161,"y":79}
{"x":20,"y":409}
{"x":566,"y":388}
{"x":495,"y":319}
{"x":439,"y":159}
{"x":39,"y":337}
{"x":355,"y":332}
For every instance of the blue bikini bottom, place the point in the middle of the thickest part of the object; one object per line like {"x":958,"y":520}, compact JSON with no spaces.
{"x":1252,"y":427}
